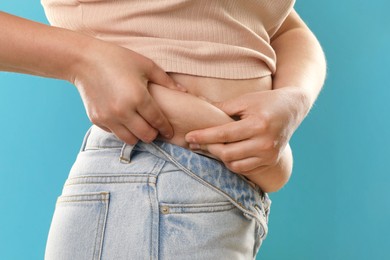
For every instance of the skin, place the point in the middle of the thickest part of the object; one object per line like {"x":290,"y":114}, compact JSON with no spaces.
{"x":127,"y":94}
{"x":249,"y":148}
{"x":187,"y":112}
{"x":111,"y":80}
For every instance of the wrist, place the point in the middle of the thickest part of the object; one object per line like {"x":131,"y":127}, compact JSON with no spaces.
{"x":81,"y":57}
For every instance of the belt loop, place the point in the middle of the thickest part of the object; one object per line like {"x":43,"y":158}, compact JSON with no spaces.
{"x":126,"y":151}
{"x":85,"y":140}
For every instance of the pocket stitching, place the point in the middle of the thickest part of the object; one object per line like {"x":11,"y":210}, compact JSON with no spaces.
{"x":97,"y":197}
{"x":102,"y":217}
{"x":169,"y":208}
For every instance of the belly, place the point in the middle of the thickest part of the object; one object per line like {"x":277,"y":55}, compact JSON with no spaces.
{"x":190,"y":111}
{"x":216,"y":89}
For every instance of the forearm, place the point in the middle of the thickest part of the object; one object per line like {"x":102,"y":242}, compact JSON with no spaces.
{"x":301,"y":65}
{"x":273,"y":178}
{"x":38,"y":49}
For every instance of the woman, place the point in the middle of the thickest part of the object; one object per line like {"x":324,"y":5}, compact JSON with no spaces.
{"x":130,"y":199}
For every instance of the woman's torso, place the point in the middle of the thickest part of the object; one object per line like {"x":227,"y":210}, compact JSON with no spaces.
{"x":225,"y":43}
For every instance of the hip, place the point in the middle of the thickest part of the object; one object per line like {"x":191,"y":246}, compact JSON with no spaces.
{"x":154,"y":201}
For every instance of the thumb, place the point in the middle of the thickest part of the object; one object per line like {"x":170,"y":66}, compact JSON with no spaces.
{"x":232,"y":107}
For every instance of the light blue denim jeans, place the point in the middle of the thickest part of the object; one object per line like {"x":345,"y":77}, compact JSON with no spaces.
{"x":154,"y":201}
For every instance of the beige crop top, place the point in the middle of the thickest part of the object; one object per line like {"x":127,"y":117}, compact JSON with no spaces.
{"x":212,"y":38}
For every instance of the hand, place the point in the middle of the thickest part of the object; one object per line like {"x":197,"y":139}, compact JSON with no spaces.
{"x":257,"y":140}
{"x":113,"y":84}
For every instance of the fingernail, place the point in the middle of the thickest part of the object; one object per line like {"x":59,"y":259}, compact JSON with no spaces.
{"x":194,"y":146}
{"x":189,"y":139}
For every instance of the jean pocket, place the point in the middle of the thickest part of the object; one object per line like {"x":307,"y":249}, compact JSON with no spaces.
{"x":167,"y":208}
{"x":77,"y":228}
{"x":208,"y":231}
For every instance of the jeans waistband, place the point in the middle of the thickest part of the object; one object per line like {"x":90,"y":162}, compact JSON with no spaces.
{"x":250,"y":200}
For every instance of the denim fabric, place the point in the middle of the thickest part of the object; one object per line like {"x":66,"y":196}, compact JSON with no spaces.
{"x":154,"y":201}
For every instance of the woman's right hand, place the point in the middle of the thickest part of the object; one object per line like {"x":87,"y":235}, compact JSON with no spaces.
{"x":113,"y":84}
{"x":112,"y":80}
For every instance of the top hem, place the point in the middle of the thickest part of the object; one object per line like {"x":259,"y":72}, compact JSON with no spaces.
{"x":215,"y":70}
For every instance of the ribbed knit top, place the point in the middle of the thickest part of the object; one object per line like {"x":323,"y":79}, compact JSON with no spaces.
{"x":212,"y":38}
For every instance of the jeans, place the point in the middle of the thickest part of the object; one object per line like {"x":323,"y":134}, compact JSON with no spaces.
{"x":154,"y":201}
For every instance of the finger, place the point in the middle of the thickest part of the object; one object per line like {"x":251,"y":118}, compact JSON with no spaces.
{"x":123,"y":134}
{"x":153,"y":115}
{"x":141,"y":129}
{"x":213,"y":149}
{"x":239,"y":150}
{"x":258,"y":170}
{"x":227,"y":133}
{"x":234,"y":115}
{"x":156,"y":75}
{"x":234,"y":106}
{"x":245,"y":166}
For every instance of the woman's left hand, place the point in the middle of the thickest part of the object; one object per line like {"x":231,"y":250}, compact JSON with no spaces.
{"x":267,"y":121}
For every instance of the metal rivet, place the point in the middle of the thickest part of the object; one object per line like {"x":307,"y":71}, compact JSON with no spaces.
{"x":164,"y":209}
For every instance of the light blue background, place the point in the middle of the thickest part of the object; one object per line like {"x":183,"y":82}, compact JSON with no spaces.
{"x":336,"y":205}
